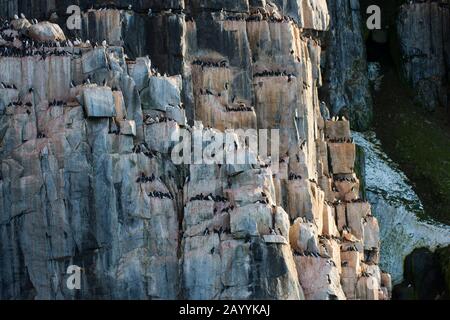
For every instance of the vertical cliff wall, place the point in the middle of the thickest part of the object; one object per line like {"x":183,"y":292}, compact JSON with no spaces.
{"x":346,"y":86}
{"x":88,"y":176}
{"x":423,"y":30}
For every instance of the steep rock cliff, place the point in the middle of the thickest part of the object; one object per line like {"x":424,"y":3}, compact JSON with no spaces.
{"x":87,"y":176}
{"x":423,"y":31}
{"x":346,"y":86}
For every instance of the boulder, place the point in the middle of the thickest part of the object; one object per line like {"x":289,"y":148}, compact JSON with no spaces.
{"x":46,"y":31}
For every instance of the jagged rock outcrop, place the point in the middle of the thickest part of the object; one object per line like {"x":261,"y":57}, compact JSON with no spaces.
{"x":88,"y":176}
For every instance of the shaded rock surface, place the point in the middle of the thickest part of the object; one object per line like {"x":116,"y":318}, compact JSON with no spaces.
{"x":424,"y":33}
{"x":346,"y":85}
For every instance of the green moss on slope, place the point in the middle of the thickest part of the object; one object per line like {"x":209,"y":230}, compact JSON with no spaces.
{"x":418,"y":141}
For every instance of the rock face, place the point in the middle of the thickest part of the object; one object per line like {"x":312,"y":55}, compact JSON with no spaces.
{"x":345,"y":82}
{"x":423,"y":30}
{"x":89,"y":177}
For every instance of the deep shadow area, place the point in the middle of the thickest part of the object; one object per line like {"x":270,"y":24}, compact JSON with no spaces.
{"x":424,"y":277}
{"x":378,"y":52}
{"x":415,"y":138}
